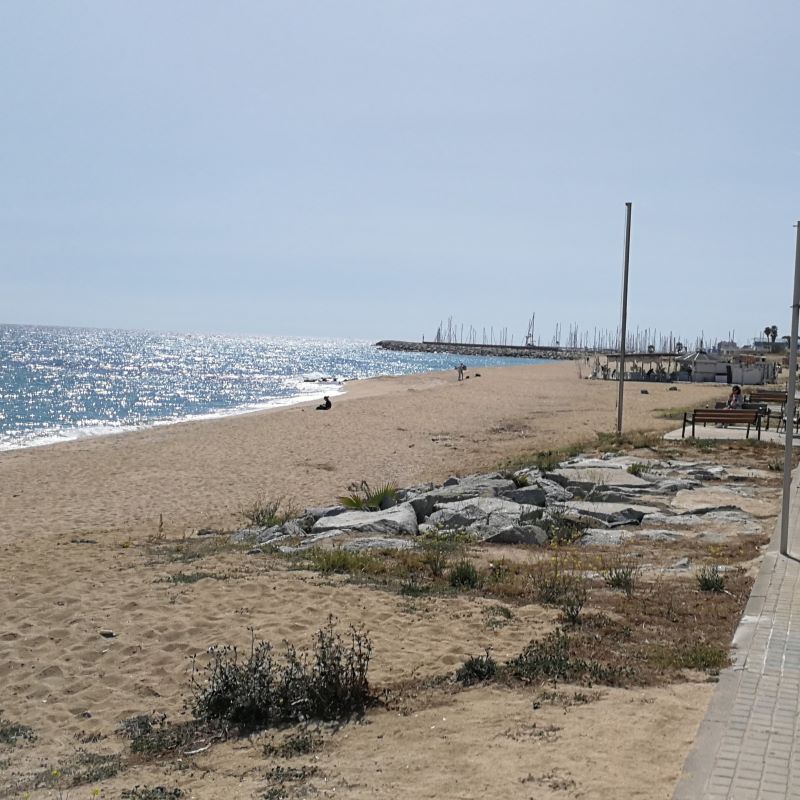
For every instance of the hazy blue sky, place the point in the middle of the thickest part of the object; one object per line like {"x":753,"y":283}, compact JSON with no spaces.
{"x":366,"y":169}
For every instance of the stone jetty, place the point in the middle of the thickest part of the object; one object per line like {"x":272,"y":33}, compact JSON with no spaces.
{"x":463,"y":349}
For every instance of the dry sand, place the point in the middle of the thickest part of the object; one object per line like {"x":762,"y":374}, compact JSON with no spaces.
{"x":75,"y":520}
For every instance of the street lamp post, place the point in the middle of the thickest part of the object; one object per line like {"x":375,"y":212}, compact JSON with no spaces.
{"x":790,"y":404}
{"x":624,"y":322}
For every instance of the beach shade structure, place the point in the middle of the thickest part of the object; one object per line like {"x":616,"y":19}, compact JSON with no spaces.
{"x":643,"y":366}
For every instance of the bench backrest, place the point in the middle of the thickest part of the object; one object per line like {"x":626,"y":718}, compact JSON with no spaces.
{"x":767,"y":397}
{"x":725,"y":415}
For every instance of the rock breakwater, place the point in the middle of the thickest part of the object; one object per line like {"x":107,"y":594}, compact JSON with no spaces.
{"x":503,"y":351}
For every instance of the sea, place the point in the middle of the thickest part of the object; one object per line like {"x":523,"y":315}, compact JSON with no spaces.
{"x":59,"y":384}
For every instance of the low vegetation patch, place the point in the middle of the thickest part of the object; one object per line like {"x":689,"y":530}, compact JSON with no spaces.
{"x":83,"y":767}
{"x":477,"y":669}
{"x":701,"y":656}
{"x":190,"y":577}
{"x":615,"y":442}
{"x":154,"y":734}
{"x":463,"y":575}
{"x":12,"y":733}
{"x":553,"y":659}
{"x":337,"y":560}
{"x":278,"y":777}
{"x":259,"y":691}
{"x":565,"y":699}
{"x":497,"y":616}
{"x":264,"y":512}
{"x":296,"y":743}
{"x":151,"y":793}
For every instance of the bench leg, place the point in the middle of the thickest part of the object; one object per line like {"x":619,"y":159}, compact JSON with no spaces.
{"x":747,"y":435}
{"x":683,"y":429}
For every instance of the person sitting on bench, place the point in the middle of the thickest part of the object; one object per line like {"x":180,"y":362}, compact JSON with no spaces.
{"x":326,"y":405}
{"x":735,"y":399}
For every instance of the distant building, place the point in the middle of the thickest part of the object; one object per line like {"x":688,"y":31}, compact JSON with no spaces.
{"x":726,"y":348}
{"x":702,"y":367}
{"x":767,"y":346}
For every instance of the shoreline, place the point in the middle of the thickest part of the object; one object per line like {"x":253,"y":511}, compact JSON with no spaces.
{"x":335,"y":389}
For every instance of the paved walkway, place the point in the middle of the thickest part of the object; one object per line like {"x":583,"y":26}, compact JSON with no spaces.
{"x":748,"y":745}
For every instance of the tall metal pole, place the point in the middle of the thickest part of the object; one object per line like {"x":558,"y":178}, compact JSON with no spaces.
{"x":624,"y":324}
{"x":790,"y":404}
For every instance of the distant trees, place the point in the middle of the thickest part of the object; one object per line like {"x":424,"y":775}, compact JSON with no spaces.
{"x":771,"y":334}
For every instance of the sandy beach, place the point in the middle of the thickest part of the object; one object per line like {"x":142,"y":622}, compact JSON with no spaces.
{"x":77,"y":523}
{"x":407,"y":430}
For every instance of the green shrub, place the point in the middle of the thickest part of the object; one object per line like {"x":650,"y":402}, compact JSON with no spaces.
{"x":573,"y":600}
{"x":710,"y":579}
{"x":547,"y":460}
{"x":552,"y":580}
{"x":558,"y":526}
{"x":437,"y":549}
{"x":362,"y":496}
{"x":621,"y":574}
{"x":264,"y":512}
{"x":463,"y":575}
{"x":477,"y":669}
{"x":638,"y":469}
{"x":258,"y":691}
{"x":703,"y":656}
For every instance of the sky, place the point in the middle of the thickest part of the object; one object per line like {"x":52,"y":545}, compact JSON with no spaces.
{"x":368,"y":169}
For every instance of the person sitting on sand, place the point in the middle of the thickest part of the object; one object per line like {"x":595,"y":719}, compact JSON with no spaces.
{"x":735,"y":399}
{"x":326,"y":405}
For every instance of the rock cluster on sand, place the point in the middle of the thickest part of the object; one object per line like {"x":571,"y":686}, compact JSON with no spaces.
{"x":658,"y":500}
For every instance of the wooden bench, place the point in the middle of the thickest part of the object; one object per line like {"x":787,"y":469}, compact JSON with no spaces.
{"x":762,"y":408}
{"x":776,"y":398}
{"x":766,"y":397}
{"x":723,"y":416}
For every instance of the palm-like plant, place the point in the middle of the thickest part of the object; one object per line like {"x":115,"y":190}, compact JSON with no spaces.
{"x":773,"y":333}
{"x":362,"y":496}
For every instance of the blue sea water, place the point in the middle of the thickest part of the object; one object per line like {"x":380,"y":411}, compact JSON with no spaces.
{"x":58,"y":384}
